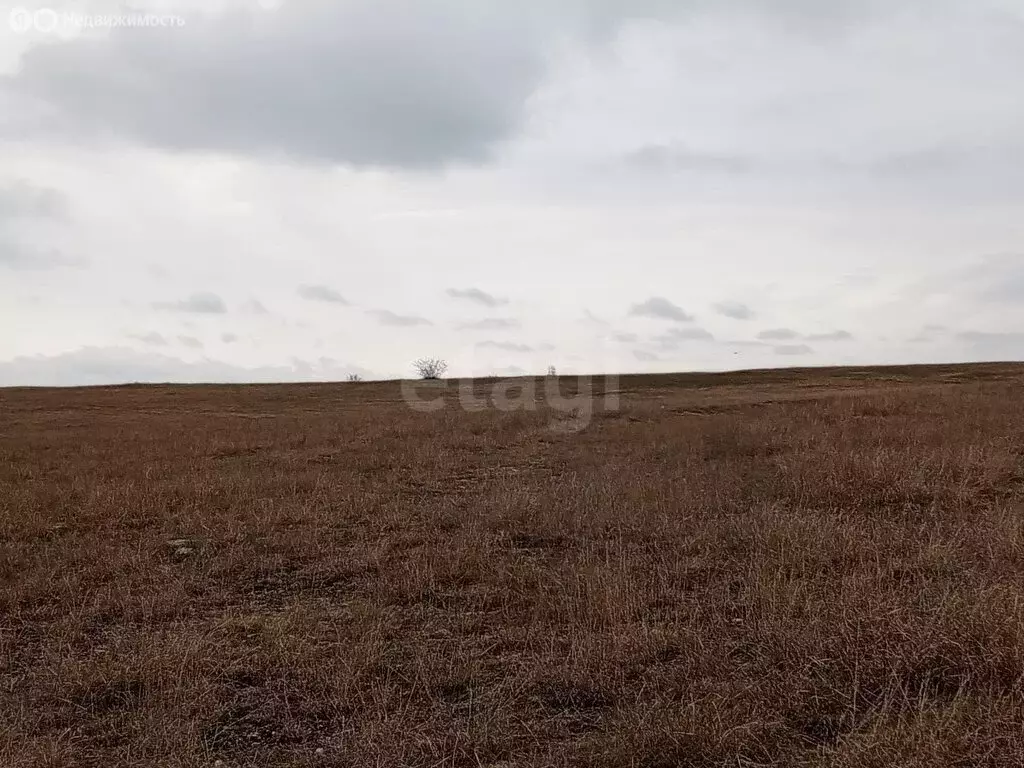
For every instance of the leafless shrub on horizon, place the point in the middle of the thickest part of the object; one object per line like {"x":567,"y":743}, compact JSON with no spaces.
{"x":430,"y":368}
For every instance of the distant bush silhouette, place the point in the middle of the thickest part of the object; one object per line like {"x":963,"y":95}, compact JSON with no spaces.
{"x":430,"y":367}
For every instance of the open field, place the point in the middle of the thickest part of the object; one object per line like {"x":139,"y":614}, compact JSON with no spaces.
{"x":804,"y":568}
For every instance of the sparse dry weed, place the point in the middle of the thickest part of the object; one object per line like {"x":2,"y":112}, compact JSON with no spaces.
{"x":805,"y":568}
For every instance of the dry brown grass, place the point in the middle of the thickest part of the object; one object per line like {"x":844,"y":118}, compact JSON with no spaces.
{"x":810,"y":568}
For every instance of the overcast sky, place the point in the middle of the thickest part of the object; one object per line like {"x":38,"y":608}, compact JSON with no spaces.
{"x":308,"y":188}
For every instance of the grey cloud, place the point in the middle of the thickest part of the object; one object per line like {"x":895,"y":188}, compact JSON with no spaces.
{"x":674,"y":157}
{"x":930,"y":332}
{"x":808,"y":17}
{"x":505,"y":346}
{"x":14,"y":255}
{"x":476,"y":295}
{"x":991,"y":337}
{"x":626,"y":338}
{"x":858,"y":280}
{"x":831,"y":336}
{"x":22,"y":199}
{"x":400,"y":83}
{"x":996,"y":278}
{"x":662,"y":309}
{"x":734,"y":309}
{"x":999,"y":278}
{"x":198,"y":303}
{"x":412,"y":83}
{"x":960,"y":169}
{"x":992,"y":345}
{"x":321,"y":293}
{"x":121,"y":365}
{"x":153,"y":338}
{"x":387,"y":317}
{"x":229,"y":338}
{"x":190,"y":341}
{"x":793,"y":349}
{"x":254,"y":307}
{"x":919,"y":162}
{"x":385,"y":83}
{"x":645,"y":356}
{"x":491,"y":324}
{"x":21,"y":204}
{"x":589,"y":318}
{"x":676,"y":336}
{"x":778,"y":334}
